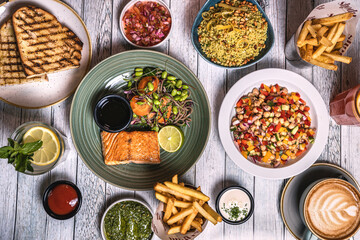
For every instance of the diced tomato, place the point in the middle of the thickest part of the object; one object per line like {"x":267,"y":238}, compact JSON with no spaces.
{"x":270,"y":129}
{"x":281,"y":100}
{"x":247,"y":135}
{"x":277,"y":87}
{"x":264,"y":92}
{"x":291,"y":101}
{"x":277,"y":128}
{"x":262,"y":86}
{"x":306,"y":109}
{"x":302,"y":101}
{"x":263,"y":121}
{"x":283,"y":114}
{"x":298,"y":153}
{"x":265,"y":143}
{"x":239,"y":103}
{"x":296,"y":135}
{"x":244,"y":141}
{"x":307,"y":122}
{"x":276,"y":109}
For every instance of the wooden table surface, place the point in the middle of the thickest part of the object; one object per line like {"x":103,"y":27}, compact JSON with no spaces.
{"x":21,"y":212}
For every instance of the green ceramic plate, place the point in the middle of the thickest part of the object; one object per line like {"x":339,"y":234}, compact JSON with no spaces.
{"x":107,"y":77}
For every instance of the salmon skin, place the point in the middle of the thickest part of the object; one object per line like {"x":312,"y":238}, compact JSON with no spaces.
{"x":141,"y":147}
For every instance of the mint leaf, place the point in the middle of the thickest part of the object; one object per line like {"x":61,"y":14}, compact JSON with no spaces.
{"x":11,"y":142}
{"x":6,"y":151}
{"x":20,"y":163}
{"x":29,"y":148}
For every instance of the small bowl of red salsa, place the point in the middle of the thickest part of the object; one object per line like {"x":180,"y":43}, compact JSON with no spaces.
{"x":146,"y":23}
{"x":62,"y":200}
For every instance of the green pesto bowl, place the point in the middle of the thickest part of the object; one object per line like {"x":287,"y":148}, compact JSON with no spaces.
{"x":108,"y":78}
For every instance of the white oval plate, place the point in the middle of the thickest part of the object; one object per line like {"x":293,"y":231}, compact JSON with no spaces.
{"x":60,"y":85}
{"x":294,"y":83}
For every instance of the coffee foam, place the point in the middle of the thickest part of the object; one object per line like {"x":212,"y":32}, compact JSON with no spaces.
{"x":332,"y":209}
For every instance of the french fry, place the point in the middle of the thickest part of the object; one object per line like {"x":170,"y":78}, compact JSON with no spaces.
{"x":338,"y":45}
{"x":159,"y":187}
{"x":312,"y":31}
{"x":339,"y":58}
{"x":182,"y":204}
{"x":200,"y":220}
{"x":329,"y":24}
{"x":211,"y":211}
{"x":204,"y":213}
{"x":175,"y":179}
{"x":187,"y":222}
{"x":332,"y":31}
{"x":326,"y":42}
{"x":312,"y":41}
{"x":323,"y":65}
{"x":169,"y":208}
{"x":304,"y":32}
{"x":161,"y":197}
{"x":309,"y":51}
{"x":187,"y":191}
{"x":341,"y":38}
{"x":322,"y":31}
{"x":198,"y":188}
{"x":174,"y":230}
{"x":317,"y":27}
{"x":318,"y":51}
{"x":181,"y":215}
{"x":325,"y":59}
{"x":334,"y":19}
{"x":196,"y":225}
{"x":337,"y":35}
{"x":182,"y":184}
{"x":174,"y":210}
{"x":302,"y":51}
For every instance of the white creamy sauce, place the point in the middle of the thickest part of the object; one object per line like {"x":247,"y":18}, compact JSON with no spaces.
{"x":234,"y":205}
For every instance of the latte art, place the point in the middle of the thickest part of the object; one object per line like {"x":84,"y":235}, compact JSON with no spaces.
{"x":332,"y":209}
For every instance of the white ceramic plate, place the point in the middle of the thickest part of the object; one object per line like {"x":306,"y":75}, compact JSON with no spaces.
{"x":60,"y":85}
{"x":294,"y":83}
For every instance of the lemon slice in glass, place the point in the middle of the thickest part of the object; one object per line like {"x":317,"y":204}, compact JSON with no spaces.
{"x":171,"y":138}
{"x":50,"y":149}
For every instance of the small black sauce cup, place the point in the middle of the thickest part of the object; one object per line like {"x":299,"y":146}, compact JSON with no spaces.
{"x":217,"y":205}
{"x":45,"y":200}
{"x":101,"y":102}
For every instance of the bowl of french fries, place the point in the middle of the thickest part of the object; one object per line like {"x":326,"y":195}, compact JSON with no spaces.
{"x":183,"y":211}
{"x":320,"y":41}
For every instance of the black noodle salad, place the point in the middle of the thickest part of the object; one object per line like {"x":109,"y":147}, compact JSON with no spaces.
{"x":158,"y":99}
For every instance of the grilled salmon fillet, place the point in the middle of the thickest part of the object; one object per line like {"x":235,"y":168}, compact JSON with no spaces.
{"x":11,"y":69}
{"x":45,"y":45}
{"x":125,"y":147}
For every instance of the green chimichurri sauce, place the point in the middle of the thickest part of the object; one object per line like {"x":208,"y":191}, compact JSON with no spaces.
{"x":128,"y":221}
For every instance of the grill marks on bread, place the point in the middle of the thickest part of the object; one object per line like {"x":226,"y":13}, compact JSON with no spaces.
{"x":45,"y":45}
{"x":11,"y":69}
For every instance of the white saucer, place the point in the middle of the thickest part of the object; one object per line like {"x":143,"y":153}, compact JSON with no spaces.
{"x":289,"y":204}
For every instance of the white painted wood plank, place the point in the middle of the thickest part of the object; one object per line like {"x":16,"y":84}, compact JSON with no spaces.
{"x":30,"y":214}
{"x":267,"y":220}
{"x":235,"y":176}
{"x":350,"y":141}
{"x":98,"y":19}
{"x":328,"y":83}
{"x":9,"y":121}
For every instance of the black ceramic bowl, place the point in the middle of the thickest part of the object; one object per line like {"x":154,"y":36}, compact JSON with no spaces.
{"x":45,"y":200}
{"x":113,"y":113}
{"x":250,"y":211}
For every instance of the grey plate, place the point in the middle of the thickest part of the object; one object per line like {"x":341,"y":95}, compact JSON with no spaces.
{"x":289,"y":204}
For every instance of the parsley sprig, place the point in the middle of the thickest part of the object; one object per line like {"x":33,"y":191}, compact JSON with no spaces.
{"x":20,"y":155}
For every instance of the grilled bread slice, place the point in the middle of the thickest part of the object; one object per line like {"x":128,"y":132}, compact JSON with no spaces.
{"x":45,"y":45}
{"x":11,"y":69}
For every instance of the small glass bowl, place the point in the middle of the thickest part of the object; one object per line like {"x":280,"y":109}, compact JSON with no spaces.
{"x":46,"y":195}
{"x":18,"y":135}
{"x":217,"y":205}
{"x":130,"y":4}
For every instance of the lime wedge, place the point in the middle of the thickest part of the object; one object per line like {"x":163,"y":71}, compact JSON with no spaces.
{"x":171,"y":138}
{"x":50,"y":149}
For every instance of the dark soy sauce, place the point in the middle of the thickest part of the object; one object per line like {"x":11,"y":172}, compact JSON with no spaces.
{"x":113,"y":113}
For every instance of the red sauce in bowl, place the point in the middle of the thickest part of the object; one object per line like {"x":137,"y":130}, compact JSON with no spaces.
{"x":146,"y":23}
{"x":62,"y":199}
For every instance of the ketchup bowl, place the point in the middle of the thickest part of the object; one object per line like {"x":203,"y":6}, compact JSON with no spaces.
{"x":62,"y":200}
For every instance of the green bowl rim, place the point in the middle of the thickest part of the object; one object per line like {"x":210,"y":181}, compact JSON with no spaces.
{"x":109,"y":59}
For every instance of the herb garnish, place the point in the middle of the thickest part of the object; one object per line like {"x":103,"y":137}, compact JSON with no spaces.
{"x":235,"y":213}
{"x":20,"y":154}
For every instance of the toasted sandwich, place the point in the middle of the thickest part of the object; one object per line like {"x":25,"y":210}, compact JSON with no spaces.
{"x":11,"y":69}
{"x":45,"y":45}
{"x":140,"y":147}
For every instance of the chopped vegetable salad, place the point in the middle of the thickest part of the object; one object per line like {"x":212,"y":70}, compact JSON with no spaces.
{"x":272,"y":126}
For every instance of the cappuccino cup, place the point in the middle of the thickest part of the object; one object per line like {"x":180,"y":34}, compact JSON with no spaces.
{"x":330,"y":209}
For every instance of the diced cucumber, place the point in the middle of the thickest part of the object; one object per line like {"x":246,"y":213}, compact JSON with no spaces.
{"x":277,"y":137}
{"x":294,"y":130}
{"x":311,"y":140}
{"x":285,"y":107}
